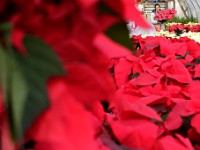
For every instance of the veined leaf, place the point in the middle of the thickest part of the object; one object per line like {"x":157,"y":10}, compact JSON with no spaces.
{"x":14,"y":90}
{"x":6,"y":29}
{"x":17,"y":96}
{"x":23,"y":81}
{"x":3,"y":70}
{"x":40,"y":64}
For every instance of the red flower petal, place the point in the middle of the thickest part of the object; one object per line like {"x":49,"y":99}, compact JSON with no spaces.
{"x":197,"y":71}
{"x":66,"y":124}
{"x":195,"y":122}
{"x":87,"y":3}
{"x":138,"y":108}
{"x":179,"y":72}
{"x":194,"y":135}
{"x":193,"y":90}
{"x":180,"y":107}
{"x":185,"y":141}
{"x":88,"y":84}
{"x":193,"y":105}
{"x":168,"y":142}
{"x":17,"y":37}
{"x":132,"y":134}
{"x":122,"y":70}
{"x":145,"y":79}
{"x":193,"y":48}
{"x":173,"y":121}
{"x":6,"y":138}
{"x":109,"y":47}
{"x":168,"y":48}
{"x":152,"y":99}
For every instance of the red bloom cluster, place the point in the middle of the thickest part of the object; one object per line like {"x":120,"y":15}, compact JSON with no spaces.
{"x":166,"y":14}
{"x":159,"y":95}
{"x":195,"y":28}
{"x":74,"y":29}
{"x":184,"y":27}
{"x":192,"y":28}
{"x":176,"y":27}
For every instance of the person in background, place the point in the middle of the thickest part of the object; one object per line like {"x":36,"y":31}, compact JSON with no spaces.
{"x":152,"y":20}
{"x":157,"y":8}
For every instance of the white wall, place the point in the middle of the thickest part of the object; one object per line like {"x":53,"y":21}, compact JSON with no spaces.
{"x":177,"y":8}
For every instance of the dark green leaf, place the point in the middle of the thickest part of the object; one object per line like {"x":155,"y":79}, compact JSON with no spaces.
{"x":164,"y":117}
{"x":18,"y":92}
{"x":119,"y":33}
{"x":3,"y":70}
{"x":23,"y":80}
{"x":5,"y":28}
{"x":14,"y":90}
{"x":37,"y":67}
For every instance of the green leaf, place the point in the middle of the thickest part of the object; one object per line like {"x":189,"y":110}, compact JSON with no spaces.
{"x":120,"y":34}
{"x":164,"y":117}
{"x":3,"y":70}
{"x":18,"y":92}
{"x":6,"y":29}
{"x":182,"y":20}
{"x":40,"y":64}
{"x":23,"y":80}
{"x":14,"y":90}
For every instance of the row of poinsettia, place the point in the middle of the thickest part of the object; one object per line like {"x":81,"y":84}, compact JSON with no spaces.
{"x":190,"y":27}
{"x":192,"y":35}
{"x":160,"y":95}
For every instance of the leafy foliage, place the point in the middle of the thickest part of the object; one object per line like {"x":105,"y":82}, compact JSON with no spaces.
{"x":23,"y":79}
{"x":182,"y":20}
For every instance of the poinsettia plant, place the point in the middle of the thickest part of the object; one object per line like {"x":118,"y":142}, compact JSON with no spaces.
{"x":164,"y":15}
{"x":190,"y":27}
{"x":177,"y":28}
{"x":54,"y":81}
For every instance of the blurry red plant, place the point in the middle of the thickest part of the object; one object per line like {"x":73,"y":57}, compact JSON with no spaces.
{"x":166,"y":14}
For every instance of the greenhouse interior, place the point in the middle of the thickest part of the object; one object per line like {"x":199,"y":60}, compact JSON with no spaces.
{"x":99,"y":74}
{"x":184,"y":8}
